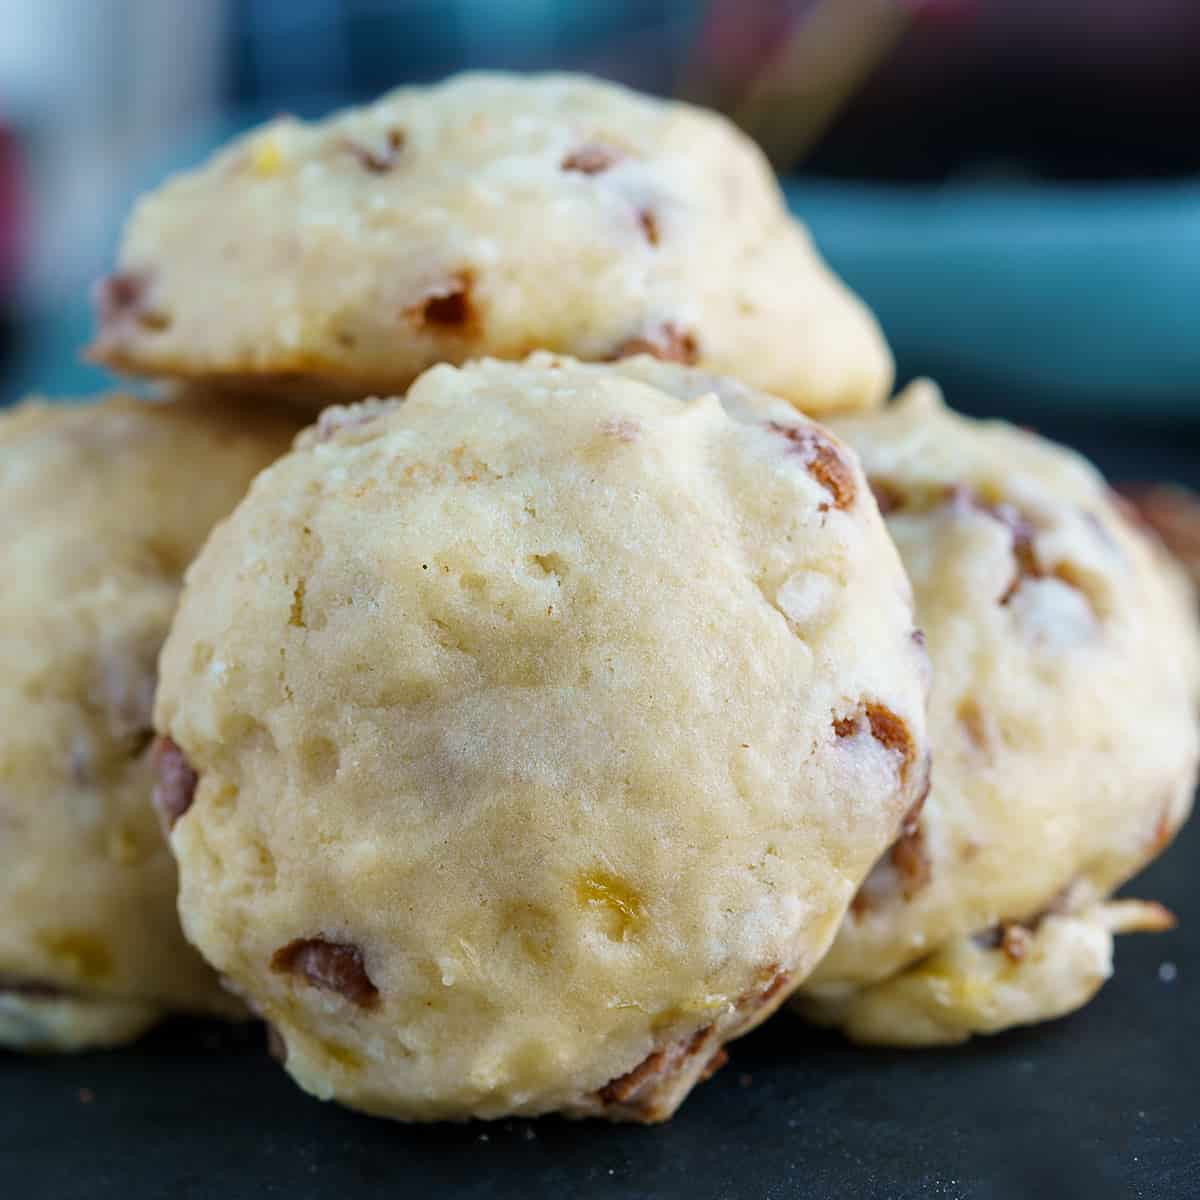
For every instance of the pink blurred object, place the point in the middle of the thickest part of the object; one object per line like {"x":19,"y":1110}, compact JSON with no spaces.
{"x":11,"y":213}
{"x":739,"y":40}
{"x":922,"y":89}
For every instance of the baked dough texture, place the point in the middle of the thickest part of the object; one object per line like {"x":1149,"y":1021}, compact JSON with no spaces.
{"x":545,"y":724}
{"x":103,"y":505}
{"x":491,"y":215}
{"x":1063,"y":724}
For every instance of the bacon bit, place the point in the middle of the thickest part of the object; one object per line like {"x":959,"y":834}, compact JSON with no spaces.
{"x":822,"y":461}
{"x":175,"y":788}
{"x":591,"y":159}
{"x":637,"y":1090}
{"x":1027,"y":565}
{"x":119,"y":295}
{"x":1016,"y":941}
{"x":378,"y":162}
{"x":888,"y":496}
{"x":446,"y":307}
{"x":890,"y":730}
{"x":624,"y":1087}
{"x":649,"y":225}
{"x":123,"y":297}
{"x":668,"y":343}
{"x":886,"y":727}
{"x":910,"y":857}
{"x":1022,"y":532}
{"x":331,"y":966}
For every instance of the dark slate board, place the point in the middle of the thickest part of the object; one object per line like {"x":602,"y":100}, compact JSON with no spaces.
{"x":1103,"y":1104}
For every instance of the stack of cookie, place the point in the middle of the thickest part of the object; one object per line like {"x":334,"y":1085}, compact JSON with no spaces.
{"x":557,"y":707}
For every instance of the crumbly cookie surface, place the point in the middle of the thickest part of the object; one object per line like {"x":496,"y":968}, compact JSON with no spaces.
{"x":103,"y":505}
{"x":1010,"y":975}
{"x":1062,"y":721}
{"x":487,"y":215}
{"x":544,"y":725}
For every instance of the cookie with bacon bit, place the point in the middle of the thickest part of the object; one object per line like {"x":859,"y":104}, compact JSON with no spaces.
{"x":104,"y":503}
{"x":1066,"y":667}
{"x":543,"y":726}
{"x":491,"y":215}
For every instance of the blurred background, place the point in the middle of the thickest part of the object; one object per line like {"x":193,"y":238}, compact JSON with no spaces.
{"x":1013,"y":185}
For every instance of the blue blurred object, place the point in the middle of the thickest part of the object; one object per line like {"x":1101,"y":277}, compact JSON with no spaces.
{"x":1091,"y":291}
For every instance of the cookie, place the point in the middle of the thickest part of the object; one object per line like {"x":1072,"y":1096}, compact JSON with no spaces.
{"x":538,"y":731}
{"x":104,"y":504}
{"x":1063,"y":725}
{"x":1012,"y":974}
{"x":488,"y":215}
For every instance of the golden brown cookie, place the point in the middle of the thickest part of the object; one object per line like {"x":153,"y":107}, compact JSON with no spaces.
{"x":1063,"y":720}
{"x":544,"y":725}
{"x":487,"y":215}
{"x":104,"y":504}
